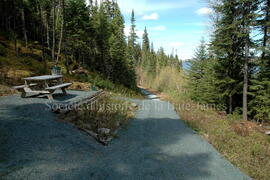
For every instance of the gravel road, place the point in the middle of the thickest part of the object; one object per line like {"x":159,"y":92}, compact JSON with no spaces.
{"x":155,"y":145}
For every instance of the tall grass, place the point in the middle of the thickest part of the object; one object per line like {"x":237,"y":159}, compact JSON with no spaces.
{"x":168,"y":80}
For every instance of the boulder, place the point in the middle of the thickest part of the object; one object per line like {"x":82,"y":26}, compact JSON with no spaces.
{"x":134,"y":105}
{"x":105,"y":131}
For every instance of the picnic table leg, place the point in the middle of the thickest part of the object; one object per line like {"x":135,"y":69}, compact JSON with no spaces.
{"x":50,"y":97}
{"x":46,"y":84}
{"x":64,"y":91}
{"x":23,"y":95}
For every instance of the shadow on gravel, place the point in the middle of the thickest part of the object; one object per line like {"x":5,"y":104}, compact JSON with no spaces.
{"x":156,"y":149}
{"x":61,"y":97}
{"x":37,"y":146}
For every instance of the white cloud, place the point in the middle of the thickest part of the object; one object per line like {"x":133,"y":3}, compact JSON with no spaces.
{"x":204,"y":11}
{"x":142,"y":6}
{"x":158,"y":28}
{"x":153,"y":16}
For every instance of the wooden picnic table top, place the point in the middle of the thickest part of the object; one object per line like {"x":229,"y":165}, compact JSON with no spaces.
{"x":43,"y":78}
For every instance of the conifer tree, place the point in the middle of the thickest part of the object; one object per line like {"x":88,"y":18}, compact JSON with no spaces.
{"x":132,"y":40}
{"x":197,"y":72}
{"x":260,"y":82}
{"x":123,"y":71}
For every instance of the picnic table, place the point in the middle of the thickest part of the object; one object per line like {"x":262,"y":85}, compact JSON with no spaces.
{"x":44,"y":82}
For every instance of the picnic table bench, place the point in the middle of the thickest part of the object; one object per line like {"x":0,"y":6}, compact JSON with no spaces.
{"x":46,"y":88}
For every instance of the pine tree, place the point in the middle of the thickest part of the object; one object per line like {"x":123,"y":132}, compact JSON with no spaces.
{"x":227,"y":46}
{"x":123,"y":70}
{"x":197,"y":72}
{"x":260,"y":82}
{"x":146,"y":42}
{"x":132,"y":40}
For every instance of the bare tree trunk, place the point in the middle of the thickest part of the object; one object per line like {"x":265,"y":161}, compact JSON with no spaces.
{"x":245,"y":88}
{"x":64,"y":39}
{"x":15,"y":44}
{"x":23,"y":24}
{"x":42,"y":36}
{"x":15,"y":37}
{"x":265,"y":28}
{"x":47,"y":30}
{"x":53,"y":29}
{"x":61,"y":32}
{"x":230,"y":104}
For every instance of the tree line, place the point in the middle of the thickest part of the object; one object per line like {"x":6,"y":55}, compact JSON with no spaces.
{"x":148,"y":61}
{"x":88,"y":34}
{"x":74,"y":32}
{"x":234,"y":69}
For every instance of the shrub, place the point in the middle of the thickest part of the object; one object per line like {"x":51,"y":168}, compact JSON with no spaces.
{"x":3,"y":51}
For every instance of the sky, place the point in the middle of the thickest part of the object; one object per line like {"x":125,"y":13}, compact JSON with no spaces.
{"x":175,"y":25}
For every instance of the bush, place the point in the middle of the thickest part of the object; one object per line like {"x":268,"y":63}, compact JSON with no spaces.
{"x":3,"y":51}
{"x":6,"y":35}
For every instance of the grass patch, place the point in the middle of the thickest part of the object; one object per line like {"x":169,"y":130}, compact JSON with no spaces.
{"x":103,"y":117}
{"x":6,"y":91}
{"x":119,"y":90}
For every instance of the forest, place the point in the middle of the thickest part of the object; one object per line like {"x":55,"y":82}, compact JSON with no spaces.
{"x":231,"y":71}
{"x":87,"y":34}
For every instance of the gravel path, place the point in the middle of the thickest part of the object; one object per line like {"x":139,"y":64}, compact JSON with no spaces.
{"x":155,"y":145}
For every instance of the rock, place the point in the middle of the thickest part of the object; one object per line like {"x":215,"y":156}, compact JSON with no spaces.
{"x":104,"y":131}
{"x":134,"y":105}
{"x":267,"y":132}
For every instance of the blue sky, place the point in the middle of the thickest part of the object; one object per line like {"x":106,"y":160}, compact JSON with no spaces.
{"x":172,"y":24}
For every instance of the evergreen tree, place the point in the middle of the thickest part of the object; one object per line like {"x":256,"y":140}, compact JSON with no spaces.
{"x":146,"y":42}
{"x":132,"y":40}
{"x":197,"y":72}
{"x":260,"y":83}
{"x":227,"y":47}
{"x":123,"y":70}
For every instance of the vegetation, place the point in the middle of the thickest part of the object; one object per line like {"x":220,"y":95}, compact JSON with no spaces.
{"x":71,"y":33}
{"x":103,"y":117}
{"x":233,"y":71}
{"x":226,"y":78}
{"x":230,"y":73}
{"x":241,"y":142}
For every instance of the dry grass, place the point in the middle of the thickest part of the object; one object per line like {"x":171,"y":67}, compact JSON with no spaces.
{"x":80,"y":86}
{"x":167,"y":80}
{"x":242,"y":142}
{"x":6,"y":91}
{"x":109,"y":113}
